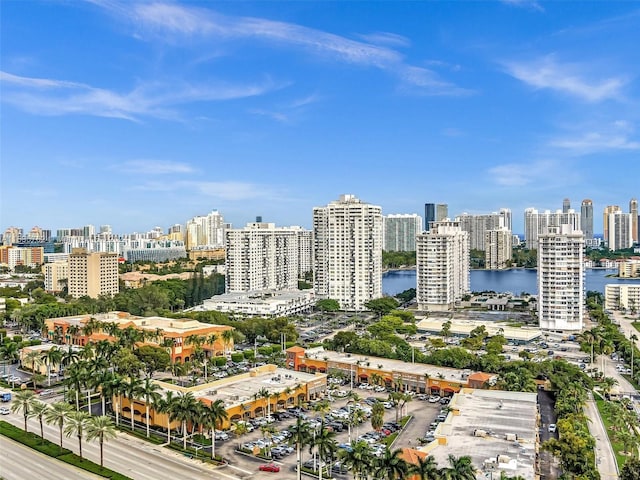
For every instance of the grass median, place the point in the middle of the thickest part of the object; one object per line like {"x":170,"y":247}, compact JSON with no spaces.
{"x":52,"y":450}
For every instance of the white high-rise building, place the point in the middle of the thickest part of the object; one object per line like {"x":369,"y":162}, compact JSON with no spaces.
{"x":477,"y":225}
{"x":206,"y":231}
{"x":262,"y":256}
{"x":498,"y":249}
{"x":442,"y":266}
{"x":618,"y":229}
{"x":400,"y":232}
{"x":561,"y":278}
{"x":347,"y":237}
{"x":536,"y":223}
{"x":586,"y":219}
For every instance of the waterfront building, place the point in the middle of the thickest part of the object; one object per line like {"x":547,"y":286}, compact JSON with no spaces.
{"x":629,"y":268}
{"x":586,"y":219}
{"x":400,"y":232}
{"x":92,"y":274}
{"x":434,"y":212}
{"x":561,"y":279}
{"x":477,"y":226}
{"x":442,"y":266}
{"x":618,"y":230}
{"x":56,"y":275}
{"x":498,"y":249}
{"x":536,"y":223}
{"x":347,"y":236}
{"x":622,"y":296}
{"x":263,"y":257}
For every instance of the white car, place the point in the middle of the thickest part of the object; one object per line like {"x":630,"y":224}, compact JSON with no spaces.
{"x":434,"y":399}
{"x":552,"y":428}
{"x":4,"y":411}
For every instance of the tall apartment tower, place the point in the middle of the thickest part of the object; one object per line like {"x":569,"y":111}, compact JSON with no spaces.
{"x":92,"y":274}
{"x":586,"y":218}
{"x":478,"y":225}
{"x":633,"y":210}
{"x":498,"y":249}
{"x":347,"y":237}
{"x":618,"y":228}
{"x":206,"y":231}
{"x":400,"y":232}
{"x":262,"y":257}
{"x":442,"y":266}
{"x":536,"y":223}
{"x":566,"y":205}
{"x":605,"y":219}
{"x":561,"y":279}
{"x":434,"y":212}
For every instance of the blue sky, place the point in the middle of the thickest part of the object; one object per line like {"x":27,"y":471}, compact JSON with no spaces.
{"x":144,"y":114}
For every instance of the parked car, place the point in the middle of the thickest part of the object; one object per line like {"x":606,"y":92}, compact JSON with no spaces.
{"x":269,"y":467}
{"x":552,"y":428}
{"x":4,"y":411}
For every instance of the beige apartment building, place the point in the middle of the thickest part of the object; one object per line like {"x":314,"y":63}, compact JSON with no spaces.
{"x":92,"y":274}
{"x":55,"y":276}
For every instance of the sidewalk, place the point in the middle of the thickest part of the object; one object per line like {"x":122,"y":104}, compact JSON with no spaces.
{"x":605,"y":458}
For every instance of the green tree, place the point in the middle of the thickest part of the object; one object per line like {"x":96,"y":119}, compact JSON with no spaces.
{"x":57,"y":414}
{"x":425,"y":469}
{"x":391,"y":465}
{"x":184,"y":411}
{"x":154,"y":359}
{"x":460,"y":468}
{"x":301,"y":436}
{"x":213,"y":416}
{"x":38,"y":410}
{"x":149,"y":391}
{"x":23,"y":401}
{"x":359,"y":458}
{"x":102,"y":429}
{"x":631,"y":469}
{"x":377,"y":416}
{"x":76,"y":425}
{"x":382,"y":306}
{"x":328,"y":305}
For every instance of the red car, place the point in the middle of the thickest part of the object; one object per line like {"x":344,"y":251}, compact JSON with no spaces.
{"x":269,"y":467}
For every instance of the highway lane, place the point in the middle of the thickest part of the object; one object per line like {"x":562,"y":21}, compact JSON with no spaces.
{"x":133,"y":457}
{"x":19,"y":462}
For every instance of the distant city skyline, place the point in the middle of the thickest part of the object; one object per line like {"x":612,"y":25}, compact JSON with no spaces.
{"x":138,"y":114}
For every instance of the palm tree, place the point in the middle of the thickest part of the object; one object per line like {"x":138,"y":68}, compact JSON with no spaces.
{"x":34,"y":359}
{"x":184,"y":412}
{"x":53,"y":356}
{"x":101,"y":428}
{"x":377,"y":416}
{"x":300,"y":436}
{"x":358,"y":458}
{"x":227,"y":339}
{"x":38,"y":410}
{"x":326,"y":446}
{"x":634,"y":339}
{"x":23,"y":402}
{"x":69,"y":356}
{"x":132,"y":390}
{"x":391,"y":466}
{"x":77,"y":422}
{"x":149,"y":391}
{"x":425,"y":469}
{"x":212,"y":417}
{"x":57,"y":413}
{"x":460,"y":468}
{"x":166,"y":405}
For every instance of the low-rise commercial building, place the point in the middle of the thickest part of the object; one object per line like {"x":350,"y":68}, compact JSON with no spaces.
{"x":622,"y":296}
{"x":497,"y":429}
{"x":406,"y":376}
{"x":174,"y":334}
{"x":462,"y":328}
{"x":261,"y":303}
{"x":261,"y":391}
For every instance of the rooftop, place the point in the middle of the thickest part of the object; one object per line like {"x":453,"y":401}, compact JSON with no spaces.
{"x":389,"y":365}
{"x":497,"y":429}
{"x":242,"y":388}
{"x":464,"y":327}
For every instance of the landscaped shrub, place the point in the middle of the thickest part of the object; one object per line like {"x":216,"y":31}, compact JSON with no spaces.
{"x":237,"y":357}
{"x":249,"y":355}
{"x":220,"y":361}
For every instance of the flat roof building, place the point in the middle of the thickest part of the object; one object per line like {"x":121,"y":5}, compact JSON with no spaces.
{"x":263,"y":303}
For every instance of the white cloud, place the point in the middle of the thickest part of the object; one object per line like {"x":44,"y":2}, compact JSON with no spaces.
{"x":170,"y":22}
{"x":521,"y":174}
{"x":529,"y":4}
{"x":44,"y":96}
{"x":548,"y":73}
{"x":592,"y":142}
{"x":153,"y":167}
{"x":221,"y":190}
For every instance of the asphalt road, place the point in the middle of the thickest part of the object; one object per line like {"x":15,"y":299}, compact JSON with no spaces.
{"x":605,"y":459}
{"x":130,"y":456}
{"x":19,"y":462}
